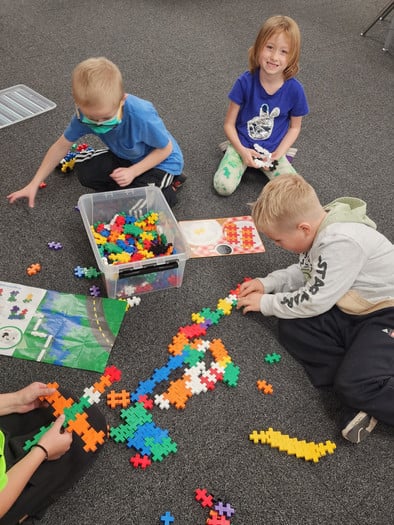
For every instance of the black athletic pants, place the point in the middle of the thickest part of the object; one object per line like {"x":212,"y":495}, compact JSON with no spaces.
{"x":93,"y":172}
{"x":353,"y":354}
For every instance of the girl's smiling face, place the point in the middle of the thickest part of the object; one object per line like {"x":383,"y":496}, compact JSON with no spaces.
{"x":274,"y":56}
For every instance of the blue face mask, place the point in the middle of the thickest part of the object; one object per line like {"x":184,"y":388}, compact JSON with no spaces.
{"x":101,"y":127}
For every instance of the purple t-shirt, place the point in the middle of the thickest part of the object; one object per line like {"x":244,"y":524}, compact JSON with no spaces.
{"x":264,"y":119}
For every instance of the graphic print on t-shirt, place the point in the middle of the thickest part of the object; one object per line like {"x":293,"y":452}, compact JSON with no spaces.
{"x":261,"y":126}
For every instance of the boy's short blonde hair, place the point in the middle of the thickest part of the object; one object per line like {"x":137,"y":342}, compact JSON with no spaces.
{"x":96,"y":80}
{"x":278,"y":24}
{"x":284,"y":202}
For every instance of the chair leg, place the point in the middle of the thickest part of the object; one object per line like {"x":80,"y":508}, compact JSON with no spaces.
{"x":381,"y":16}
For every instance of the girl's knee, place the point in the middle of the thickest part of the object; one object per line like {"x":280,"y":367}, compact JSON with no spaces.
{"x":223,"y":187}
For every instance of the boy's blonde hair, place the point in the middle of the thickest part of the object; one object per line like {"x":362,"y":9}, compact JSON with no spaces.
{"x":96,"y":80}
{"x":284,"y":202}
{"x":278,"y":24}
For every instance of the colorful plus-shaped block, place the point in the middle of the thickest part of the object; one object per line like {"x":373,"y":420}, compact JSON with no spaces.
{"x":167,"y":518}
{"x":272,"y":358}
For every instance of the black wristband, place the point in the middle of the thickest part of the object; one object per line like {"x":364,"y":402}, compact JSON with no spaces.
{"x":42,"y":448}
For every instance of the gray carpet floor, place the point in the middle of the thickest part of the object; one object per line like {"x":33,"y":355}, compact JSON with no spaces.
{"x":184,"y":55}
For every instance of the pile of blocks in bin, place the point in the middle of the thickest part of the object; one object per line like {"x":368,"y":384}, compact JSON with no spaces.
{"x":136,"y":240}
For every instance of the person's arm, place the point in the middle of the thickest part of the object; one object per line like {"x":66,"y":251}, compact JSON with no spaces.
{"x":251,"y":292}
{"x":54,"y":442}
{"x":125,"y":176}
{"x":247,"y":155}
{"x":52,"y":158}
{"x":289,"y":139}
{"x":334,"y":268}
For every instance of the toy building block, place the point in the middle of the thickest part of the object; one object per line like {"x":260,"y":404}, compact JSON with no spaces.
{"x":310,"y":451}
{"x":224,"y":510}
{"x":146,"y":401}
{"x":204,"y":498}
{"x":92,"y":438}
{"x":272,"y":358}
{"x":33,"y":269}
{"x":116,"y":399}
{"x":113,"y":373}
{"x":167,"y":518}
{"x":133,"y":301}
{"x":231,"y":374}
{"x":139,"y":461}
{"x":217,"y":520}
{"x":79,"y":272}
{"x":30,"y":443}
{"x":55,"y":245}
{"x":265,"y":387}
{"x":258,"y":437}
{"x":95,"y":291}
{"x":75,"y":416}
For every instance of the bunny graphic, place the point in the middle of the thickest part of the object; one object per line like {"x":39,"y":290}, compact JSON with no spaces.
{"x":260,"y":127}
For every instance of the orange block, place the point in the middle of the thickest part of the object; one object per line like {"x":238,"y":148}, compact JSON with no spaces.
{"x":218,"y":350}
{"x":178,"y":393}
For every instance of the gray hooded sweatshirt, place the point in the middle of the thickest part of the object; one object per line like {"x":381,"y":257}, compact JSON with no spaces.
{"x":350,"y":265}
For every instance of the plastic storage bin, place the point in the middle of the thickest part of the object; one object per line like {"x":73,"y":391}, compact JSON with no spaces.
{"x":135,"y":278}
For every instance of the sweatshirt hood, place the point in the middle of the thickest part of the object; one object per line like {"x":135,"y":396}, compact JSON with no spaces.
{"x":347,"y":209}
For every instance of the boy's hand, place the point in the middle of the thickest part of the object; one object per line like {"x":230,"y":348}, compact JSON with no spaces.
{"x":123,"y":176}
{"x":29,"y":192}
{"x":250,"y":303}
{"x":248,"y":287}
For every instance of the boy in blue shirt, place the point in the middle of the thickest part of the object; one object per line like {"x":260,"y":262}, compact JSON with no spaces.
{"x":140,"y":151}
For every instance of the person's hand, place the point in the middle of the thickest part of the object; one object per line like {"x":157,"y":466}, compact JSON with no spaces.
{"x":56,"y":441}
{"x":250,"y":155}
{"x":250,"y":303}
{"x":250,"y":286}
{"x":123,"y":176}
{"x":28,"y":192}
{"x":27,"y":398}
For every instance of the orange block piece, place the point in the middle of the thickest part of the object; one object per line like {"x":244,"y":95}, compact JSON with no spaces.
{"x":33,"y":269}
{"x":218,"y":350}
{"x":58,"y":402}
{"x":104,"y":382}
{"x":92,"y":438}
{"x":265,"y":387}
{"x":80,"y":425}
{"x":178,"y":393}
{"x":116,"y":399}
{"x":178,"y":343}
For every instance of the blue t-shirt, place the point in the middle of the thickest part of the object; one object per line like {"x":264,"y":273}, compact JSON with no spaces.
{"x":264,"y":119}
{"x":140,"y":132}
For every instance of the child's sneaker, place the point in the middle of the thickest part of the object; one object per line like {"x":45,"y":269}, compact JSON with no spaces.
{"x":359,"y":427}
{"x":178,"y":181}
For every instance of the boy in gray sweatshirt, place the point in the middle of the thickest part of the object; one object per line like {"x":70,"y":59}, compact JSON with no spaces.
{"x":336,"y":305}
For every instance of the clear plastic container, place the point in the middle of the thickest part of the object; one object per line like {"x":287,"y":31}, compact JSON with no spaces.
{"x":147,"y":275}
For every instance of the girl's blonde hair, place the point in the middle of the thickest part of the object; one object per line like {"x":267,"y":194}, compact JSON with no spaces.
{"x":284,"y":202}
{"x":96,"y":80}
{"x":278,"y":24}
